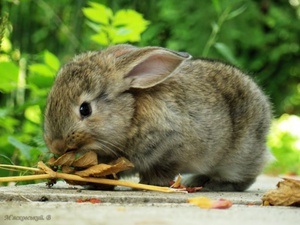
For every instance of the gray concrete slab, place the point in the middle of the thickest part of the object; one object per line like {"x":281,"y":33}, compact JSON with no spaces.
{"x":23,"y":205}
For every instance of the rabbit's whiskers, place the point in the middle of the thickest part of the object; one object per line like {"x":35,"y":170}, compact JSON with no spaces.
{"x":110,"y":147}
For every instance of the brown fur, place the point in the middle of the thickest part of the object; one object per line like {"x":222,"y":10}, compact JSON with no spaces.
{"x":164,"y":112}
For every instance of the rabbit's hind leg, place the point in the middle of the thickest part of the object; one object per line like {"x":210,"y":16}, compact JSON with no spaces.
{"x":211,"y":185}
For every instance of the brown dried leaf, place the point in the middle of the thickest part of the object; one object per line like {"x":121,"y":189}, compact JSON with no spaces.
{"x":206,"y":203}
{"x":90,"y":200}
{"x":95,"y":171}
{"x":177,"y":183}
{"x":66,"y":159}
{"x":101,"y":170}
{"x":67,"y":169}
{"x":119,"y":165}
{"x":51,"y":161}
{"x":287,"y":194}
{"x":88,"y":159}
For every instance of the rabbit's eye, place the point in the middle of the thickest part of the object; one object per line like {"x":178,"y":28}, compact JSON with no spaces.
{"x":85,"y":109}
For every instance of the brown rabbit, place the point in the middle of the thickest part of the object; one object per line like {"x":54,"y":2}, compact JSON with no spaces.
{"x":166,"y":113}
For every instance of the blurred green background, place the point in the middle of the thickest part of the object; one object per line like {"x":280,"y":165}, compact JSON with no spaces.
{"x":38,"y":36}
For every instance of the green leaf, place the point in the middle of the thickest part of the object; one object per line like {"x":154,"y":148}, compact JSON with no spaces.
{"x":98,"y":13}
{"x":128,"y":25}
{"x":101,"y":39}
{"x":34,"y":114}
{"x":226,"y":52}
{"x":40,"y":81}
{"x":40,"y":75}
{"x":41,"y":69}
{"x":24,"y":149}
{"x":236,"y":12}
{"x":94,"y":26}
{"x":51,"y":60}
{"x":9,"y":76}
{"x":217,"y":6}
{"x":215,"y":27}
{"x":6,"y":45}
{"x":7,"y":122}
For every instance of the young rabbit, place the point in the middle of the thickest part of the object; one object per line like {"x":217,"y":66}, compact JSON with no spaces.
{"x":166,"y":113}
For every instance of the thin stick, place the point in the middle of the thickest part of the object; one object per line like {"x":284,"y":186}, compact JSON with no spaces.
{"x":50,"y":174}
{"x":4,"y":166}
{"x":25,"y":178}
{"x":116,"y":183}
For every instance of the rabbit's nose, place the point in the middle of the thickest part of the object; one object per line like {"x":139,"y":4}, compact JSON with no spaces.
{"x":58,"y":146}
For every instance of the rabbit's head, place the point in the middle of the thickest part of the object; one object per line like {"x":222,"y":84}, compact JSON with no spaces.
{"x":89,"y":106}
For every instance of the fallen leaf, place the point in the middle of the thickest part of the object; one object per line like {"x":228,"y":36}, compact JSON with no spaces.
{"x":67,"y":169}
{"x":177,"y":185}
{"x":222,"y":204}
{"x":66,"y":159}
{"x":101,"y":170}
{"x":207,"y":203}
{"x":286,"y":194}
{"x":51,"y":161}
{"x":88,"y":159}
{"x":90,"y":200}
{"x":193,"y":189}
{"x":95,"y":171}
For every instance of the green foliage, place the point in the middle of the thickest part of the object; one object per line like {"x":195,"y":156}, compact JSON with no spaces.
{"x":258,"y":36}
{"x":23,"y":91}
{"x":284,"y":142}
{"x":121,"y":27}
{"x":9,"y":81}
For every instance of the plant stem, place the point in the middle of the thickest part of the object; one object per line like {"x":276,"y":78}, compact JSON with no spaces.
{"x":25,"y":178}
{"x":4,"y":166}
{"x":215,"y":31}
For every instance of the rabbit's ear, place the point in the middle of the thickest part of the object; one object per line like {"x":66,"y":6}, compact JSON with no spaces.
{"x":152,"y":66}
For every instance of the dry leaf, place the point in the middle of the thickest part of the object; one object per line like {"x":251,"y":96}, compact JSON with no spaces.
{"x":101,"y":170}
{"x":193,"y":189}
{"x":177,"y":185}
{"x":206,"y":203}
{"x":94,"y":171}
{"x":118,"y":165}
{"x":88,"y":159}
{"x":66,"y":159}
{"x":67,"y":169}
{"x":287,"y":194}
{"x":51,"y":161}
{"x":90,"y":200}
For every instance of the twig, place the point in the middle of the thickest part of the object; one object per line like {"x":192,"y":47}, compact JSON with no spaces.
{"x":50,"y":174}
{"x":73,"y":177}
{"x":27,"y":199}
{"x":25,"y":178}
{"x":4,"y":166}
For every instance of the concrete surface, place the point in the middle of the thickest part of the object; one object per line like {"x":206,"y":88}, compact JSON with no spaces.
{"x":26,"y":205}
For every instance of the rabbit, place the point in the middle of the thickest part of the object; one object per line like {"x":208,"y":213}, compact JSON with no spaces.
{"x":166,"y":113}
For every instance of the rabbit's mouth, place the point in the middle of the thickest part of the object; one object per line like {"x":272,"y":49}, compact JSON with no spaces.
{"x":102,"y":148}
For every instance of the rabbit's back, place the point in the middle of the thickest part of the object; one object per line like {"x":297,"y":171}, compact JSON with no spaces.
{"x":209,"y":116}
{"x":231,"y":115}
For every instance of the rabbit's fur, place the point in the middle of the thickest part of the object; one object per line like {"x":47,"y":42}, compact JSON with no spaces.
{"x":166,"y":113}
